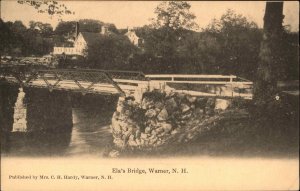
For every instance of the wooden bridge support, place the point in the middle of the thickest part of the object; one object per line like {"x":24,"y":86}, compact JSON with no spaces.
{"x":48,"y":111}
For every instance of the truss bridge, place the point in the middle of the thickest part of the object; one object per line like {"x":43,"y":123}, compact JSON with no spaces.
{"x":126,"y":83}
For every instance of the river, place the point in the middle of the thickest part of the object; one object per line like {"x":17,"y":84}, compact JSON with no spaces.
{"x":90,"y":135}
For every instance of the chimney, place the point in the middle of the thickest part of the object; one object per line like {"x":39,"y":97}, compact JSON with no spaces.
{"x":130,"y":29}
{"x":104,"y":29}
{"x":77,"y":29}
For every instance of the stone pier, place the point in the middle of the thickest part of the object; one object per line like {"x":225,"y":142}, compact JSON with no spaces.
{"x":20,"y":123}
{"x":163,"y":119}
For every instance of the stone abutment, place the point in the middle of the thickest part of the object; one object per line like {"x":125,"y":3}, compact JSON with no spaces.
{"x":163,"y":118}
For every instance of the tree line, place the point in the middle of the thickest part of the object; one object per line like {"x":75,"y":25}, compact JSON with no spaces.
{"x":19,"y":40}
{"x":229,"y":45}
{"x":39,"y":38}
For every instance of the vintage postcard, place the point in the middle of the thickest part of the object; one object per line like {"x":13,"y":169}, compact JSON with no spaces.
{"x":149,"y":95}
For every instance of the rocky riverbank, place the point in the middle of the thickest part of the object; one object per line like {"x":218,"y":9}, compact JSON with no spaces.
{"x":165,"y":118}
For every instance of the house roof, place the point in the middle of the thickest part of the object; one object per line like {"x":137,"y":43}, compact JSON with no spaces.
{"x":91,"y":37}
{"x":131,"y":32}
{"x":64,"y":44}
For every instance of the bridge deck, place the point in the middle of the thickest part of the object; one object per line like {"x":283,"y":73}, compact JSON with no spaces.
{"x":126,"y":83}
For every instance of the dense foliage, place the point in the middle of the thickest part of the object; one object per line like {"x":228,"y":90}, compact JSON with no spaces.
{"x":18,"y":40}
{"x":228,"y":45}
{"x":110,"y":52}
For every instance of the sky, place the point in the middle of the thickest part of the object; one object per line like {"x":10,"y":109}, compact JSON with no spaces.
{"x":138,"y":13}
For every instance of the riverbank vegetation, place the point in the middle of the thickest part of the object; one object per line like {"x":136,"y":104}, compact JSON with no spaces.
{"x":228,"y":45}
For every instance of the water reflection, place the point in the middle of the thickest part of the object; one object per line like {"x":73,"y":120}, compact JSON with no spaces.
{"x":91,"y":132}
{"x":89,"y":136}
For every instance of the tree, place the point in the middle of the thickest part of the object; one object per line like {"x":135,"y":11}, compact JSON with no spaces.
{"x":175,"y":15}
{"x":44,"y":29}
{"x":276,"y":113}
{"x":48,"y":7}
{"x":64,"y":30}
{"x":290,"y":53}
{"x":67,"y":28}
{"x":238,"y":41}
{"x":270,"y":64}
{"x":18,"y":27}
{"x":6,"y":37}
{"x":173,"y":19}
{"x":199,"y":52}
{"x":110,"y":52}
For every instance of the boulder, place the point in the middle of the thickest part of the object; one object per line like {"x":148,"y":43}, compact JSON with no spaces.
{"x":147,"y":103}
{"x":222,"y":104}
{"x":122,"y":117}
{"x":125,"y":136}
{"x":124,"y":127}
{"x":199,"y":111}
{"x":138,"y":141}
{"x":159,"y":142}
{"x":167,"y":127}
{"x":132,"y":143}
{"x":153,"y":140}
{"x":127,"y":113}
{"x":151,"y":122}
{"x":119,"y":107}
{"x":184,"y":107}
{"x":171,"y":105}
{"x":119,"y":142}
{"x":144,"y":136}
{"x":130,"y":102}
{"x":114,"y":154}
{"x":201,"y":102}
{"x":162,"y":134}
{"x":116,"y":115}
{"x":148,"y":130}
{"x":209,"y":111}
{"x":116,"y":127}
{"x":181,"y":95}
{"x":163,"y":115}
{"x":191,"y":99}
{"x":174,"y":132}
{"x":131,"y":129}
{"x":157,"y":110}
{"x":159,"y":105}
{"x":131,"y":137}
{"x":153,"y":133}
{"x":159,"y":130}
{"x":169,"y":92}
{"x":186,"y":116}
{"x":210,"y":102}
{"x":151,"y":113}
{"x":138,"y":134}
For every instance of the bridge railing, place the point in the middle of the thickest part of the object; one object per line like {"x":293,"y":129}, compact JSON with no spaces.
{"x":220,"y":85}
{"x":198,"y":79}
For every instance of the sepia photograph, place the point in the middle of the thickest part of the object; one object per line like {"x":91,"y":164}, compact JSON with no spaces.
{"x":149,"y":95}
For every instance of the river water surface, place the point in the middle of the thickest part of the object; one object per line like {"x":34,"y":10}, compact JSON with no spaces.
{"x":90,"y":135}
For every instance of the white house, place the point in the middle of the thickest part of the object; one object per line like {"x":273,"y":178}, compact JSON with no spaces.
{"x":82,"y":40}
{"x":134,"y":39}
